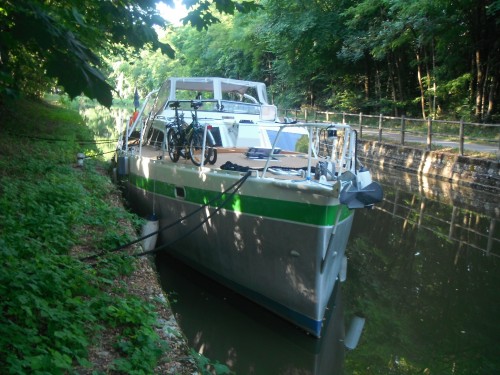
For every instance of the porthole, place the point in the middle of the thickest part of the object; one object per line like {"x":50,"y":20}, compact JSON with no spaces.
{"x":180,"y":192}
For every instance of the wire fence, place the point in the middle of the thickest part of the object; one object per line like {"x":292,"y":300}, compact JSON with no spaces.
{"x":433,"y":134}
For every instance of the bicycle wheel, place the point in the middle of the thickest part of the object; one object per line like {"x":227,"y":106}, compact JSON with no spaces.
{"x":195,"y":149}
{"x":213,"y":158}
{"x":173,"y":149}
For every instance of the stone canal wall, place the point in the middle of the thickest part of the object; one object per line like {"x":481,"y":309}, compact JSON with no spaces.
{"x":480,"y":174}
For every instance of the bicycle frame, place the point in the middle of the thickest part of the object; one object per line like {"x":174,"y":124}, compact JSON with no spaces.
{"x":190,"y":138}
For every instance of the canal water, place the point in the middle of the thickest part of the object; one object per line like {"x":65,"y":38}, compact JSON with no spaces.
{"x":423,"y":272}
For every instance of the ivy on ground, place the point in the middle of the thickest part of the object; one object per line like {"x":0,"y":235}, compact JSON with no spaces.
{"x":53,"y":305}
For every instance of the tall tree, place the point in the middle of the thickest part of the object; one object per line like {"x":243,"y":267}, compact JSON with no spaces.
{"x":447,"y":43}
{"x":484,"y":25}
{"x":303,"y":37}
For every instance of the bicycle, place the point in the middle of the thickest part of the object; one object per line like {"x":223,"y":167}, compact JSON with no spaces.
{"x":187,"y":140}
{"x":175,"y":132}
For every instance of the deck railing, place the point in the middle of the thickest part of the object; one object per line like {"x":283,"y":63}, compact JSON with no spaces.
{"x":404,"y":130}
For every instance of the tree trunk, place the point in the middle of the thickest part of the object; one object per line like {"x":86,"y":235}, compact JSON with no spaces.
{"x":479,"y":85}
{"x":434,"y":86}
{"x":491,"y":97}
{"x":421,"y":85}
{"x":428,"y":81}
{"x":392,"y":80}
{"x":368,"y":77}
{"x":401,"y":91}
{"x":378,"y":85}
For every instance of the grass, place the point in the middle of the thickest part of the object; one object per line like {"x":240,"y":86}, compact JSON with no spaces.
{"x":54,"y":306}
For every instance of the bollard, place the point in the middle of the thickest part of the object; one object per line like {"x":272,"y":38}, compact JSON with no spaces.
{"x":343,"y":270}
{"x":122,"y":165}
{"x":354,"y":332}
{"x":152,"y":224}
{"x":80,"y":157}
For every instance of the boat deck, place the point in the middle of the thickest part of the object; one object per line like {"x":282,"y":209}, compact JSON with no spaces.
{"x":284,"y":165}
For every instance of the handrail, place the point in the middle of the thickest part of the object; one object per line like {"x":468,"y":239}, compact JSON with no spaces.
{"x":131,"y":128}
{"x":204,"y":143}
{"x":271,"y":153}
{"x":348,"y":149}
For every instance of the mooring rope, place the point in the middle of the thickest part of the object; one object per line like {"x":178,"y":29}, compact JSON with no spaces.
{"x":216,"y":211}
{"x":81,"y":141}
{"x":100,"y":154}
{"x":235,"y":187}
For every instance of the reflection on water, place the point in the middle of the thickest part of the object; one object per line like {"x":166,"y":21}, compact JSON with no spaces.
{"x":454,"y":213}
{"x":107,"y":125}
{"x":423,"y":270}
{"x":230,"y":329}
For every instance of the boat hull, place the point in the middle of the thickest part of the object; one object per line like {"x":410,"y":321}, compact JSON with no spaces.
{"x":275,"y":243}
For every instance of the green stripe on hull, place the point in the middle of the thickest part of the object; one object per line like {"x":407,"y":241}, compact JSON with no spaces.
{"x":156,"y":186}
{"x":305,"y":213}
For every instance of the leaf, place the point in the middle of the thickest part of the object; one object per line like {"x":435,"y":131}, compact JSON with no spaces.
{"x":78,"y":16}
{"x":167,"y":50}
{"x":61,"y":361}
{"x":38,"y":362}
{"x":221,"y":369}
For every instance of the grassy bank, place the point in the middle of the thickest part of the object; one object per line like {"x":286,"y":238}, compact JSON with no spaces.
{"x":61,"y":315}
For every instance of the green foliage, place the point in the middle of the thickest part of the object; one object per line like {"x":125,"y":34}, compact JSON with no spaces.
{"x":54,"y":306}
{"x":42,"y":43}
{"x":209,"y":367}
{"x":36,"y":33}
{"x":416,"y":58}
{"x":201,"y":14}
{"x":302,"y":144}
{"x":139,"y":344}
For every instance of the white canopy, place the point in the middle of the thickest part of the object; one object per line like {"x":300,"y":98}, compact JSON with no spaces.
{"x":216,"y":85}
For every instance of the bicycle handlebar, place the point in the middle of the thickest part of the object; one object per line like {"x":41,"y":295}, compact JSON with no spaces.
{"x":175,"y":104}
{"x":196,"y":104}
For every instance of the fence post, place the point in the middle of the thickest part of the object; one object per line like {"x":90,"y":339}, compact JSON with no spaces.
{"x":360,"y":125}
{"x":327,"y":116}
{"x":429,"y":133}
{"x":498,"y":151}
{"x":305,"y":115}
{"x":380,"y":129}
{"x":343,"y":117}
{"x":461,"y":140}
{"x":403,"y":124}
{"x":489,"y":245}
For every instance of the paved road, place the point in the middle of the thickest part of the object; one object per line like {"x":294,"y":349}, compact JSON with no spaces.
{"x":492,"y":148}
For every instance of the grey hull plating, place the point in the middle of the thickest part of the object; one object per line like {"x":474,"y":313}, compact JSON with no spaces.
{"x":287,"y":267}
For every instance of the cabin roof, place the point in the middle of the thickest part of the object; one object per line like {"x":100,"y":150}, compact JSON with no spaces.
{"x":211,"y":84}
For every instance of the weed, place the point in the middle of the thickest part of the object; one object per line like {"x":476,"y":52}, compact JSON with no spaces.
{"x":209,"y":367}
{"x":53,"y":305}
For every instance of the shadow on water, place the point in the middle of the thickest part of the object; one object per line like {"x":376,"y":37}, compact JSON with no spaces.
{"x":226,"y":327}
{"x":423,"y":270}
